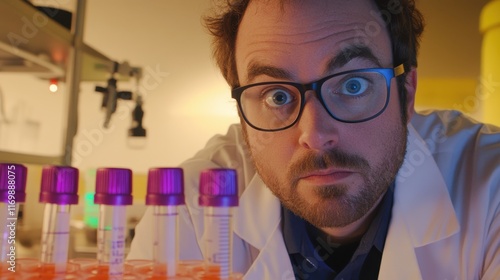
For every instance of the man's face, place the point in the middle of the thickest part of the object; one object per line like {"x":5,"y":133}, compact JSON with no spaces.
{"x":330,"y":173}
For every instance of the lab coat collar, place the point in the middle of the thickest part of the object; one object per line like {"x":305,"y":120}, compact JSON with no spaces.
{"x":258,"y":222}
{"x":421,"y":195}
{"x":258,"y":214}
{"x":422,"y":214}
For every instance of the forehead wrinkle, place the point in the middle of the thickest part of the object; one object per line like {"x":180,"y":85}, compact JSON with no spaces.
{"x":303,"y":34}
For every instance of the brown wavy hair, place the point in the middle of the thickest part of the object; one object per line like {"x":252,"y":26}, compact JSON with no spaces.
{"x":403,"y":20}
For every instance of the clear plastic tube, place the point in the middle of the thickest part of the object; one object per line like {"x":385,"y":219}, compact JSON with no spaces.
{"x":113,"y":194}
{"x":166,"y":253}
{"x":218,"y":196}
{"x":165,"y":192}
{"x":111,"y":238}
{"x":58,"y":190}
{"x":55,"y":236}
{"x":218,"y":240}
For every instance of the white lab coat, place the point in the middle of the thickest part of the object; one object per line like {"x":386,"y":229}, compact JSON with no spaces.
{"x":445,"y":219}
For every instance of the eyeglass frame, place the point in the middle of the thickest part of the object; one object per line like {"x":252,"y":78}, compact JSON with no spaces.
{"x":388,"y":73}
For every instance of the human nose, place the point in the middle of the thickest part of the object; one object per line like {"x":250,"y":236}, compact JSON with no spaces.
{"x":317,"y":128}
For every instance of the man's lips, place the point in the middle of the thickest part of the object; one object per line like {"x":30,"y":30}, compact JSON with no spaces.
{"x":326,"y":176}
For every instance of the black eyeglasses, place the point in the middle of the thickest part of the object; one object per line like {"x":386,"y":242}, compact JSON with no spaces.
{"x":351,"y":96}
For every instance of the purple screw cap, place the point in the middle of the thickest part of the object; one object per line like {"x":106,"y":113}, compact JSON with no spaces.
{"x":13,"y":178}
{"x":218,"y":187}
{"x":59,"y":185}
{"x":113,"y":186}
{"x":165,"y":186}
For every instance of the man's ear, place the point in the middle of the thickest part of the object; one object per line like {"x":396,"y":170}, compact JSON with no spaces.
{"x":411,"y":88}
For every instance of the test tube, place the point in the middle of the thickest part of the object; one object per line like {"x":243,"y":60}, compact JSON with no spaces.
{"x":165,"y":192}
{"x":218,"y":195}
{"x":113,"y":194}
{"x":12,"y":192}
{"x":59,"y":190}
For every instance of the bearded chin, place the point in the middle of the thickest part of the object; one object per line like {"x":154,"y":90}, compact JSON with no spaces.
{"x":337,"y":205}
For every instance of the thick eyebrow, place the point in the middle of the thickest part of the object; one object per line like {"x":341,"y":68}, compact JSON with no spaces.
{"x":256,"y":69}
{"x":349,"y":53}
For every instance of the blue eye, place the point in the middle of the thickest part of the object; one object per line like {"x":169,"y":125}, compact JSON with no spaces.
{"x":277,"y":97}
{"x":354,"y":86}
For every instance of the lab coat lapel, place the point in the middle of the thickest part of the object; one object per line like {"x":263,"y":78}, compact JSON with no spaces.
{"x":258,"y":213}
{"x":257,"y":221}
{"x":422,"y":213}
{"x":273,"y":261}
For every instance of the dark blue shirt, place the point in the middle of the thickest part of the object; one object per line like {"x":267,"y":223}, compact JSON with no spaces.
{"x":314,"y":256}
